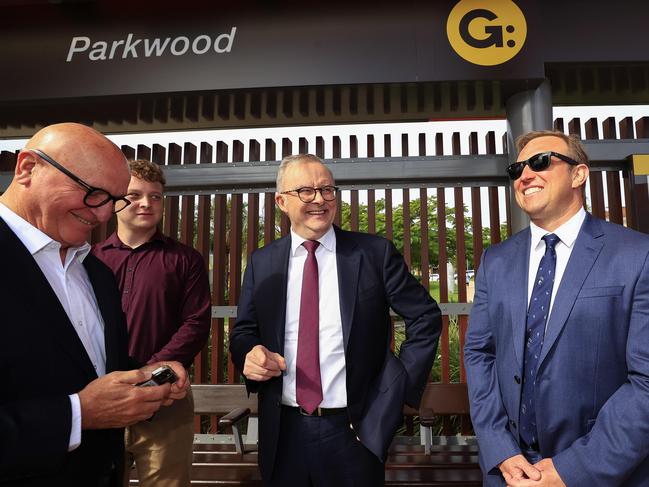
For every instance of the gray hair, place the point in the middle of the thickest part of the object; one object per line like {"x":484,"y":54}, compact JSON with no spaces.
{"x":296,"y":159}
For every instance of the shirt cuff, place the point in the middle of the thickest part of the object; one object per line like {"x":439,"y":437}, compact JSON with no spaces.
{"x":75,"y":430}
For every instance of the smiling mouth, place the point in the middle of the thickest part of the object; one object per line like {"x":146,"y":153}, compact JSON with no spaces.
{"x":316,"y":212}
{"x":533,"y":190}
{"x":83,"y":220}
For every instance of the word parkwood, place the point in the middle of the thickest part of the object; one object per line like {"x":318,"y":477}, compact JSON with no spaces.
{"x":132,"y":47}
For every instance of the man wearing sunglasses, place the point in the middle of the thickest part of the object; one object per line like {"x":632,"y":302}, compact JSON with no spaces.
{"x":63,"y":336}
{"x":556,"y":350}
{"x":312,"y":338}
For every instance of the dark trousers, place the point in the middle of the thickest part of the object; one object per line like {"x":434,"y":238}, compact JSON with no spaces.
{"x":322,"y":452}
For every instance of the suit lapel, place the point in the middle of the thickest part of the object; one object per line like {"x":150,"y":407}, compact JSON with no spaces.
{"x":280,"y":254}
{"x":348,"y":260}
{"x":582,"y":258}
{"x":55,"y":322}
{"x":517,"y":287}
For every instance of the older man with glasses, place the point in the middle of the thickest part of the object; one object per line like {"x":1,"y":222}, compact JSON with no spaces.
{"x":312,"y":337}
{"x":556,"y":349}
{"x":66,"y":391}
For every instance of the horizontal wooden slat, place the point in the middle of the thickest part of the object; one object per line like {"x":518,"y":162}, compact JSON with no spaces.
{"x":448,"y":309}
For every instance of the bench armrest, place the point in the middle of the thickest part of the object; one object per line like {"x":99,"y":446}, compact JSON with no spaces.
{"x":234,"y":417}
{"x":427,"y":417}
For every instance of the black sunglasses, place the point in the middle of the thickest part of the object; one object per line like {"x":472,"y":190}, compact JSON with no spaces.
{"x":538,"y":162}
{"x":307,"y":195}
{"x":95,"y":197}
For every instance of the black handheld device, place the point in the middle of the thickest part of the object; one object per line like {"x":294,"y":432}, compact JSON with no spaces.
{"x":159,"y":376}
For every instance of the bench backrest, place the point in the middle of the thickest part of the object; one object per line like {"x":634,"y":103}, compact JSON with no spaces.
{"x":444,"y":399}
{"x":222,"y":398}
{"x":438,"y":399}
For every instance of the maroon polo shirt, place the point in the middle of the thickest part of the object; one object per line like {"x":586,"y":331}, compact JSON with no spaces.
{"x":165,"y":297}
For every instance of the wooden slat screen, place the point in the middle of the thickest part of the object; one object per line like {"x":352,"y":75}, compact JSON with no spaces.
{"x":431,"y":224}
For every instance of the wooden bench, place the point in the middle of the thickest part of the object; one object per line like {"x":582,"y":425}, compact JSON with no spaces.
{"x":441,"y":462}
{"x":231,"y":460}
{"x":231,"y":402}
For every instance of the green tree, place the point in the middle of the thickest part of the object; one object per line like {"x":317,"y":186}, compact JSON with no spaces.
{"x":414,"y":225}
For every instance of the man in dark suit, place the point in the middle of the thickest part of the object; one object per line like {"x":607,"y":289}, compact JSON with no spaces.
{"x":312,"y":338}
{"x":556,"y":350}
{"x":63,"y":338}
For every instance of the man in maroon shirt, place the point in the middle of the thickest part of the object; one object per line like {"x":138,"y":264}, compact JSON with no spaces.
{"x":166,"y":299}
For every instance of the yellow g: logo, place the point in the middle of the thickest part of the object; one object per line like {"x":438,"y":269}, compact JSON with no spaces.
{"x":486,"y":32}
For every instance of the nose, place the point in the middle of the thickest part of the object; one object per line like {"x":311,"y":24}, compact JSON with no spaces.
{"x":145,"y":202}
{"x":104,"y":212}
{"x":318,"y":197}
{"x":527,"y":173}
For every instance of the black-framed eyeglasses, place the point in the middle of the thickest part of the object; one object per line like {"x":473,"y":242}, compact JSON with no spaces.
{"x":307,"y":195}
{"x":95,"y":197}
{"x":538,"y":162}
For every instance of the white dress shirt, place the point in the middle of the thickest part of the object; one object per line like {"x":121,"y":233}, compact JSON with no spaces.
{"x":71,"y":284}
{"x":331,"y":345}
{"x":567,"y":234}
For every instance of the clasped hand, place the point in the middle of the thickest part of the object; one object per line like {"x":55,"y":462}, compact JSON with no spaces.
{"x":518,"y":472}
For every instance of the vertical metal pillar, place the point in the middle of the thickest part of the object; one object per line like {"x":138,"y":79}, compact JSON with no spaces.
{"x":526,"y":111}
{"x":640,"y":192}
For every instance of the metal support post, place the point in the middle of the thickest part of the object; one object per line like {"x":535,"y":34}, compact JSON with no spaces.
{"x":640,"y":194}
{"x":526,"y":111}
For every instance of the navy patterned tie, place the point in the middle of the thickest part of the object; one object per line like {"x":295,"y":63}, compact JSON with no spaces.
{"x":537,"y":316}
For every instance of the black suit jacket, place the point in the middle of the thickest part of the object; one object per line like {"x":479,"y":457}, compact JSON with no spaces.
{"x":372,"y":277}
{"x":42,"y":361}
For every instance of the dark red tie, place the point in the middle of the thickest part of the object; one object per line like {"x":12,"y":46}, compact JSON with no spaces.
{"x":308,"y":383}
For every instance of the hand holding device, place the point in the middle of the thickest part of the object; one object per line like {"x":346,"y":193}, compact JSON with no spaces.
{"x":159,"y":376}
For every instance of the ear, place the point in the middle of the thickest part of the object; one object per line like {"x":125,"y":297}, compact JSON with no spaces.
{"x":280,"y":200}
{"x":25,"y":164}
{"x":579,"y":175}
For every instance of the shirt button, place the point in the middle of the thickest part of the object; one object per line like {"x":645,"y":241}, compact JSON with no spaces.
{"x":517,"y":379}
{"x":125,"y":291}
{"x":130,"y":269}
{"x":512,"y":423}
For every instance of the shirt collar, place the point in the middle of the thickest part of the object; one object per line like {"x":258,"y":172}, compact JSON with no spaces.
{"x":567,"y":232}
{"x":114,"y":241}
{"x":327,"y":241}
{"x":34,"y":239}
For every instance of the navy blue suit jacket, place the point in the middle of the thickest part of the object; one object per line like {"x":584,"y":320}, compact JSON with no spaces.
{"x":592,"y":384}
{"x":372,"y":277}
{"x":42,"y":361}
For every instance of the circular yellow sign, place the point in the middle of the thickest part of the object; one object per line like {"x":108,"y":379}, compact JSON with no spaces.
{"x":486,"y":32}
